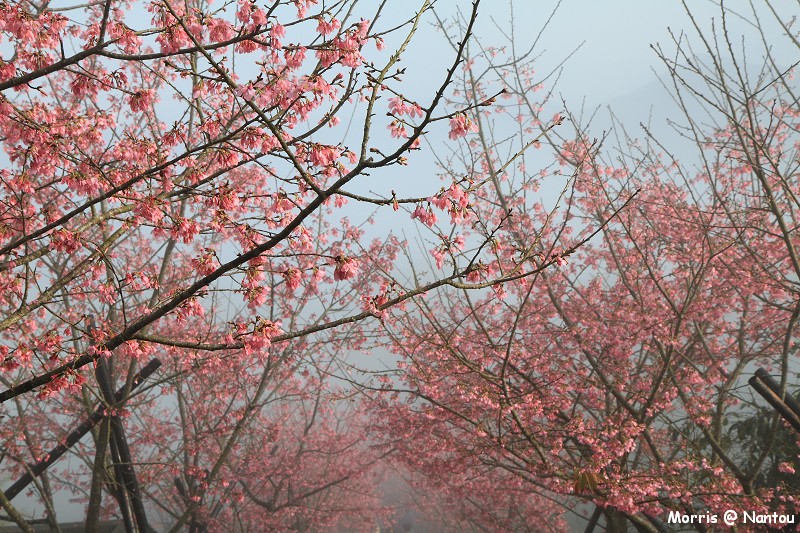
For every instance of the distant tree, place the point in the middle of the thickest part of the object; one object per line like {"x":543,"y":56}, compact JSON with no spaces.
{"x":614,"y":379}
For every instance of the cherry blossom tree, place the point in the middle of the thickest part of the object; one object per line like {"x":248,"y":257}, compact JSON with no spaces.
{"x":173,"y":189}
{"x":612,"y":379}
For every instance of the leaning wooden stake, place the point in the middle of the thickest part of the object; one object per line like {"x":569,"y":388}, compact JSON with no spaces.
{"x":767,"y":387}
{"x":76,"y":434}
{"x":121,"y":453}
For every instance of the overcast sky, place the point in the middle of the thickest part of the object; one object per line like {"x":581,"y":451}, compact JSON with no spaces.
{"x":616,"y":58}
{"x":614,"y":63}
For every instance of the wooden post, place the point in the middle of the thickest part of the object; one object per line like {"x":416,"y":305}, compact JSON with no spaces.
{"x":767,"y":387}
{"x":75,"y":435}
{"x":121,"y":453}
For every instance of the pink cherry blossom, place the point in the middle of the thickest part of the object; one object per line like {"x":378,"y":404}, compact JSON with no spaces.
{"x":346,"y":268}
{"x":460,"y":126}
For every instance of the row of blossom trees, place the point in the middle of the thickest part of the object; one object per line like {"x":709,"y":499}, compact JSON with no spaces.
{"x":182,"y":182}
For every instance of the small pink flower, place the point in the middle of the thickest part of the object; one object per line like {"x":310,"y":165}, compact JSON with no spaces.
{"x":326,"y":28}
{"x":220,"y":30}
{"x":460,"y":125}
{"x":64,"y":240}
{"x":185,"y":230}
{"x":7,"y":70}
{"x":141,"y":100}
{"x":346,"y":268}
{"x":499,"y":291}
{"x":322,"y":155}
{"x":558,"y":258}
{"x":293,"y":277}
{"x":426,"y":216}
{"x":247,"y":91}
{"x":397,"y":106}
{"x":438,"y":255}
{"x":282,"y":203}
{"x":277,"y":31}
{"x":398,"y":130}
{"x":258,"y":16}
{"x":294,"y":58}
{"x":206,"y":263}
